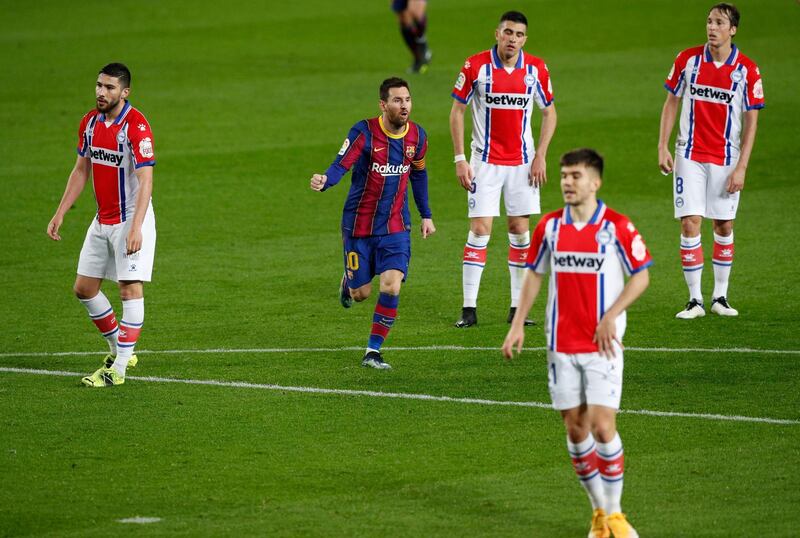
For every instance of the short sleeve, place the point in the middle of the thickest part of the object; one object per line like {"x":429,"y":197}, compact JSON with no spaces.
{"x":631,"y":248}
{"x":465,"y":83}
{"x":676,"y":82}
{"x":754,"y":96}
{"x":539,"y":253}
{"x":83,"y":143}
{"x":141,"y":138}
{"x":544,"y":87}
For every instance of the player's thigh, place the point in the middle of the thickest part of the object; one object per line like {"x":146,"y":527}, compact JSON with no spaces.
{"x":393,"y":252}
{"x":139,"y":265}
{"x":564,"y":381}
{"x":359,"y":260}
{"x":689,"y":186}
{"x":96,"y":253}
{"x":487,"y":185}
{"x":720,"y":204}
{"x":521,"y":198}
{"x":603,"y":378}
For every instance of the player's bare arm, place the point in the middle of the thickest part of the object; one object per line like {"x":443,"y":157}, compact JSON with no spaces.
{"x":736,"y":180}
{"x":318,"y":181}
{"x":75,"y":184}
{"x":668,"y":114}
{"x":516,"y":334}
{"x":606,"y":333}
{"x":133,"y":243}
{"x":464,"y":171}
{"x":538,"y":176}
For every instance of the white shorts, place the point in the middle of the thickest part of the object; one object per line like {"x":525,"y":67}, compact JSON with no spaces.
{"x":521,"y":198}
{"x":699,"y":189}
{"x":590,"y":378}
{"x":103,"y":253}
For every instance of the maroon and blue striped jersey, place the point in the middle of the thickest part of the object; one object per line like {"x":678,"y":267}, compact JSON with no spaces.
{"x":382,"y":164}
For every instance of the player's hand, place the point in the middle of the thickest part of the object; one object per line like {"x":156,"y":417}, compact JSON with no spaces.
{"x":465,"y":175}
{"x":538,"y":174}
{"x":53,"y":226}
{"x":318,"y":181}
{"x":665,"y":162}
{"x":606,"y":335}
{"x":514,"y":340}
{"x":133,"y":243}
{"x":735,"y":181}
{"x":427,"y":228}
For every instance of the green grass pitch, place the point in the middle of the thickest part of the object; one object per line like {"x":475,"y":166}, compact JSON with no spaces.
{"x":246,"y":103}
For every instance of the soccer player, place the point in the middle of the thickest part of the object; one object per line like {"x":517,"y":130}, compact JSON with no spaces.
{"x":587,"y":248}
{"x":413,"y":25}
{"x":720,"y":89}
{"x":115,"y":148}
{"x":503,"y":84}
{"x":385,"y":153}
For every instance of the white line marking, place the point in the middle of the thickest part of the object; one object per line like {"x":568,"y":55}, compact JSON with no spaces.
{"x":400,"y":395}
{"x":388,"y":348}
{"x":140,"y":520}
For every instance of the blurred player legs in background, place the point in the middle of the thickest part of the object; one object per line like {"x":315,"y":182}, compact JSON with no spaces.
{"x":413,"y":27}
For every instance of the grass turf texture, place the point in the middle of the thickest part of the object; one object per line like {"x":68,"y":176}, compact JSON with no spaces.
{"x":245,"y":105}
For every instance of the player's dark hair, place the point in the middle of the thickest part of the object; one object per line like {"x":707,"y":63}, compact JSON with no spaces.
{"x":389,"y":83}
{"x":514,"y":16}
{"x":119,"y":71}
{"x":586,"y":156}
{"x":729,"y":10}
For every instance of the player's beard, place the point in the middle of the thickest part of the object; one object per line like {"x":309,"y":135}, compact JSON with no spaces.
{"x":108,"y":106}
{"x":397,"y":121}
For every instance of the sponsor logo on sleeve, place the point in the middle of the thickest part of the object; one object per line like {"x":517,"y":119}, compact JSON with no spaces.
{"x":758,"y":90}
{"x":146,"y":148}
{"x":638,"y":248}
{"x":345,"y":145}
{"x":460,"y":81}
{"x":141,"y":127}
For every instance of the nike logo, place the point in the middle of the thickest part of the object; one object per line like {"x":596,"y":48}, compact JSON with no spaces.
{"x":376,"y":150}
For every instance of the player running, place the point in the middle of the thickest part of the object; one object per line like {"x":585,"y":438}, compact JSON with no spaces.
{"x":720,"y":89}
{"x":413,"y":27}
{"x":502,"y":84}
{"x":115,"y":147}
{"x":587,"y":248}
{"x":385,"y":153}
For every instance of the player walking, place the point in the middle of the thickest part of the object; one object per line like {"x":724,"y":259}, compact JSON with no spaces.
{"x":720,"y":87}
{"x":588,"y":248}
{"x":413,"y":27}
{"x":115,"y":147}
{"x":385,"y":153}
{"x":502,"y":84}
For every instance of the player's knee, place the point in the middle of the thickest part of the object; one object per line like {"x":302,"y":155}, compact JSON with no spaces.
{"x":690,"y":226}
{"x":130,"y":290}
{"x":604,"y":431}
{"x":518,"y":225}
{"x":480,"y":228}
{"x":361,"y":294}
{"x":577,"y":432}
{"x":84,"y":290}
{"x":723,"y":227}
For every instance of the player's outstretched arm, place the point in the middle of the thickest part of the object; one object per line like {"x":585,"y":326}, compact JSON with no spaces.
{"x":538,"y":174}
{"x":736,"y":179}
{"x":668,"y":114}
{"x":75,"y":184}
{"x":606,"y":332}
{"x":464,"y":171}
{"x":318,"y":181}
{"x":516,"y":334}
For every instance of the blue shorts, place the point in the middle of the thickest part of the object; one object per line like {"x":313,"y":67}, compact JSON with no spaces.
{"x":398,"y":6}
{"x":365,"y":257}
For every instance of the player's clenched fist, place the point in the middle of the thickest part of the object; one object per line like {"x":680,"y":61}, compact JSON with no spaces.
{"x":318,"y":181}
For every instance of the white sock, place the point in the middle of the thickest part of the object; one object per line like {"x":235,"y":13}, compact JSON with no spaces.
{"x":584,"y":461}
{"x":692,"y":263}
{"x":129,"y":329}
{"x":723,"y":261}
{"x":102,"y":315}
{"x":612,"y":469}
{"x":473,"y":263}
{"x":518,"y":245}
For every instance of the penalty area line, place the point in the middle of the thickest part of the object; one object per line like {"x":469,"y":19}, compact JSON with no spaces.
{"x":403,"y":396}
{"x":391,"y":348}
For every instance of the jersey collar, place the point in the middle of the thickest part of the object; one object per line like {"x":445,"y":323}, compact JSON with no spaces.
{"x":498,"y":64}
{"x":392,"y":135}
{"x":120,"y":116}
{"x":597,"y":216}
{"x":731,"y":57}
